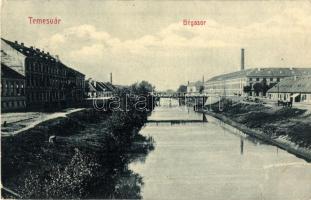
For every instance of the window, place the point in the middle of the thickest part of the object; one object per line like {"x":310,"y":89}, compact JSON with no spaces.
{"x":271,"y":79}
{"x":303,"y":97}
{"x":257,"y":79}
{"x":250,"y":79}
{"x":278,"y":79}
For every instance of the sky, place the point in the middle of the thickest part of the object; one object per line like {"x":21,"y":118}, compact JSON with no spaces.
{"x":146,"y":40}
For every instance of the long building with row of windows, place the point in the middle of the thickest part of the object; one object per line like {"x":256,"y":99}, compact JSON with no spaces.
{"x":47,"y":81}
{"x":250,"y":82}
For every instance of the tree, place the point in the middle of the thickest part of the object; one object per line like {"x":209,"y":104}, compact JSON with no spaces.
{"x":182,"y":89}
{"x":169,"y":91}
{"x":258,"y":87}
{"x":247,"y":89}
{"x":142,"y":88}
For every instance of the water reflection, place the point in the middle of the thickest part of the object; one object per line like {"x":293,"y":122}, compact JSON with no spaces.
{"x":117,"y":180}
{"x":215,"y":161}
{"x":242,"y":145}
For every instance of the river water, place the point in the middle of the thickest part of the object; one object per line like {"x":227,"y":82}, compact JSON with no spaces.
{"x":215,"y":161}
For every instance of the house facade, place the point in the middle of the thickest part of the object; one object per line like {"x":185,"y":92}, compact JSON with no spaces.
{"x":48,"y":81}
{"x":97,"y":89}
{"x":12,"y":90}
{"x":293,"y":89}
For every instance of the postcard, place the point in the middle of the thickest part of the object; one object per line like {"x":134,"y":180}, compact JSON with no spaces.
{"x":172,"y":100}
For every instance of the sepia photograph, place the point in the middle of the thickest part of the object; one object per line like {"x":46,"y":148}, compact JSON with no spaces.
{"x":156,"y":100}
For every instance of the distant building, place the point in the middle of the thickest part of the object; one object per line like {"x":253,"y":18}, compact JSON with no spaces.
{"x":49,"y":82}
{"x":251,"y":82}
{"x":294,"y":89}
{"x":195,"y":88}
{"x":97,"y":89}
{"x":90,"y":88}
{"x":12,"y":90}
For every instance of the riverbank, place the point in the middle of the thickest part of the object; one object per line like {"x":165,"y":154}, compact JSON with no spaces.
{"x":287,"y":128}
{"x":89,"y":155}
{"x":16,"y":122}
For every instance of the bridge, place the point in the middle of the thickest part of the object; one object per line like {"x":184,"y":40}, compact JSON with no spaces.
{"x":177,"y":95}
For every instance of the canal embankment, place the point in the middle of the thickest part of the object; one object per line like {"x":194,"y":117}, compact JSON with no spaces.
{"x":287,"y":128}
{"x":89,"y":152}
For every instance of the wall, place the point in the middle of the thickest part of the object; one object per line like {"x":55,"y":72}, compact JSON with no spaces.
{"x":232,"y":86}
{"x":12,"y":94}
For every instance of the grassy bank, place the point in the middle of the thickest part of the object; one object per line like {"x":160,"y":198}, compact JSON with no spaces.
{"x":88,"y":159}
{"x":91,"y":151}
{"x":291,"y":124}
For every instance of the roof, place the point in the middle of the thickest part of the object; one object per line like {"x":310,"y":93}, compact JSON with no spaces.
{"x":7,"y":72}
{"x":293,"y":85}
{"x":232,"y":75}
{"x":280,"y":72}
{"x":196,"y":84}
{"x":35,"y":52}
{"x":264,"y":72}
{"x":101,"y":86}
{"x":109,"y":86}
{"x":89,"y":86}
{"x":93,"y":86}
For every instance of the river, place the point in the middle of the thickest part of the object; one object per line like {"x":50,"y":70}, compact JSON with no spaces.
{"x":215,"y":161}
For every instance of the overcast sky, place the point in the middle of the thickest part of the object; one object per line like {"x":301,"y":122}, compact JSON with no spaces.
{"x":146,"y":40}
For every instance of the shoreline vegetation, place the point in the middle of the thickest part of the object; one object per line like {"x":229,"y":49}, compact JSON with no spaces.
{"x":88,"y":158}
{"x":287,"y":128}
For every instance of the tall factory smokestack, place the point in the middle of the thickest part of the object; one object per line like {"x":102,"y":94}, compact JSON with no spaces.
{"x":242,"y":59}
{"x":111,"y":78}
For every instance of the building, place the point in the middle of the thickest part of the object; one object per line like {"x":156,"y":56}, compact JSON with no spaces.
{"x":90,"y":88}
{"x":227,"y":84}
{"x":250,"y":82}
{"x":97,"y":89}
{"x":195,"y":88}
{"x":293,"y":89}
{"x":12,"y":90}
{"x":48,"y":81}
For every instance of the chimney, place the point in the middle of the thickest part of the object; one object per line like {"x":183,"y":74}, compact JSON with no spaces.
{"x":242,"y":59}
{"x":111,"y":78}
{"x":57,"y":57}
{"x":22,"y":44}
{"x":16,"y":42}
{"x":31,"y":47}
